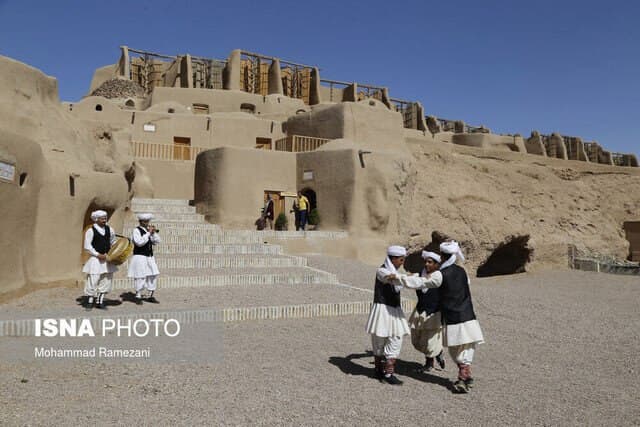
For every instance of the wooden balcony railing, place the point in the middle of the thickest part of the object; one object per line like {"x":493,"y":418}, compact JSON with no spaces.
{"x":177,"y":152}
{"x":299,"y":144}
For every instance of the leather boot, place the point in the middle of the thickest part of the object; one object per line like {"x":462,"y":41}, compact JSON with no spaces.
{"x":464,"y":381}
{"x":428,"y":364}
{"x":440,"y":360}
{"x":389,"y":370}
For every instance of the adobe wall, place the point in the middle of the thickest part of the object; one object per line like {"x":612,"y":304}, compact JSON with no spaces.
{"x":334,"y":183}
{"x":98,"y":108}
{"x":43,"y":219}
{"x":367,"y":121}
{"x":101,"y":75}
{"x":489,"y":140}
{"x":275,"y":107}
{"x":535,"y":145}
{"x":230,"y":183}
{"x":167,"y":179}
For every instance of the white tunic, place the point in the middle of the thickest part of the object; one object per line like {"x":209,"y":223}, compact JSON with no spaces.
{"x":468,"y":332}
{"x":384,"y":320}
{"x":140,"y":265}
{"x":93,"y":264}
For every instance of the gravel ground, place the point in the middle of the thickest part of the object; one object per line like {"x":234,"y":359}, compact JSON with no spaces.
{"x":560,"y":351}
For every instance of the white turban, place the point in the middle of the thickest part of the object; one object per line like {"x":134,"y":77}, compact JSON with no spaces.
{"x":98,"y":214}
{"x":452,"y":247}
{"x":396,"y":251}
{"x":145,"y":216}
{"x":434,"y":256}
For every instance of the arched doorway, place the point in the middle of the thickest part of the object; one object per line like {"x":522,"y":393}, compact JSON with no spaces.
{"x":311,"y":195}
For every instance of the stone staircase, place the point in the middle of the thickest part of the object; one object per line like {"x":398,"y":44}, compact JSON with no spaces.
{"x":211,"y":274}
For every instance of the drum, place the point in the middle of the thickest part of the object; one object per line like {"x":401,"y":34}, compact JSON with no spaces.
{"x":120,"y":251}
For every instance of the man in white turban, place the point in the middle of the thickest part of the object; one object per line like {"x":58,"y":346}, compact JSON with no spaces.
{"x":425,"y":321}
{"x":387,"y":324}
{"x":462,"y":331}
{"x":97,"y":241}
{"x":142,"y":265}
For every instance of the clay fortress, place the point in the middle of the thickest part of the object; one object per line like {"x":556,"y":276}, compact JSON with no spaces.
{"x":223,"y":134}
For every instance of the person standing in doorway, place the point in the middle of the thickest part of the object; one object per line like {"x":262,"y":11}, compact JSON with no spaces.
{"x":303,"y":207}
{"x":268,"y":211}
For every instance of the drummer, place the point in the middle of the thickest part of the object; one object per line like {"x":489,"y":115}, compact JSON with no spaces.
{"x":142,"y":265}
{"x":97,"y":241}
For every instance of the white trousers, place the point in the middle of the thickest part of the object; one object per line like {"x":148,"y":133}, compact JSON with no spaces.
{"x":463,"y":354}
{"x":388,"y":347}
{"x":97,"y":284}
{"x":426,"y":334}
{"x":148,"y":282}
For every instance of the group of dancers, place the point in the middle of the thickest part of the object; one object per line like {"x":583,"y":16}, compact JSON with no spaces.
{"x":143,"y":269}
{"x":443,"y":316}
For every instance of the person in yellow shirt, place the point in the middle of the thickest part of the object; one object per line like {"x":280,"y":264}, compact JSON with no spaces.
{"x":303,"y":207}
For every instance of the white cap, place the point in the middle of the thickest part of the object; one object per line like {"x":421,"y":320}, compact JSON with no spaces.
{"x":145,"y":216}
{"x":98,"y":214}
{"x":434,"y":256}
{"x":396,"y":251}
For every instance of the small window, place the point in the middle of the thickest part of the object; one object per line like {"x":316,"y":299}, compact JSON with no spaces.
{"x":72,"y":186}
{"x":200,"y":109}
{"x":263,"y":143}
{"x":130,"y":103}
{"x":171,"y":110}
{"x":23,"y":178}
{"x":248,"y":108}
{"x":98,"y":107}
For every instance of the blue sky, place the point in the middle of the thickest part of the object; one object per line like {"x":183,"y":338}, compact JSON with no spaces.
{"x":513,"y":66}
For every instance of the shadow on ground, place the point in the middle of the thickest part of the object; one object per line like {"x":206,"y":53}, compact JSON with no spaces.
{"x":403,"y":369}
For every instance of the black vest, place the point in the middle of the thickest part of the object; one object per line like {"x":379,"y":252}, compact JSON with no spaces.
{"x":455,"y":297}
{"x":385,"y":294}
{"x":147,"y":249}
{"x":101,"y":243}
{"x":429,"y":301}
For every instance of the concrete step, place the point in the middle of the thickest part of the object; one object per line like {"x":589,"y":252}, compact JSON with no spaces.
{"x":176,"y":278}
{"x":166,"y":261}
{"x":206,"y":239}
{"x":177,"y":227}
{"x":156,"y":209}
{"x":288,"y":235}
{"x":159,"y":202}
{"x":218,"y":249}
{"x":171,"y":217}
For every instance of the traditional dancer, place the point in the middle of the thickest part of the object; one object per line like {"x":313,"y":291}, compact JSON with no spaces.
{"x":142,"y":265}
{"x":97,"y":242}
{"x":425,"y":321}
{"x":462,"y":333}
{"x":387,"y":324}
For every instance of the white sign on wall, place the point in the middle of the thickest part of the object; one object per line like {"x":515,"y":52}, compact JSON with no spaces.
{"x":7,"y":171}
{"x":149,"y":127}
{"x":307,"y":175}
